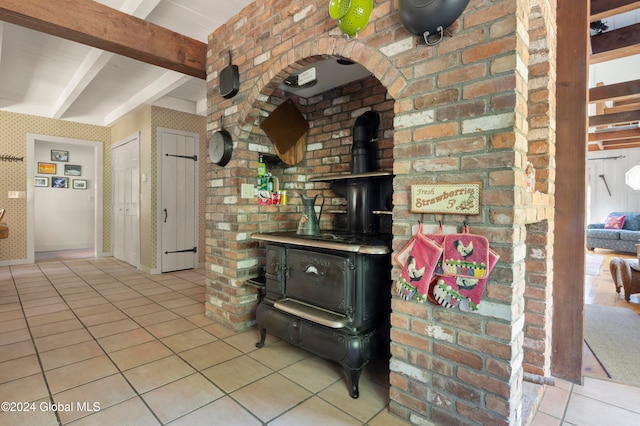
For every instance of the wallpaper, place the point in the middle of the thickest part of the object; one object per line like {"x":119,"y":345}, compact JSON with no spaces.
{"x":13,"y":175}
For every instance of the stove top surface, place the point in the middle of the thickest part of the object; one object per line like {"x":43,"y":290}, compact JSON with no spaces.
{"x":335,"y":240}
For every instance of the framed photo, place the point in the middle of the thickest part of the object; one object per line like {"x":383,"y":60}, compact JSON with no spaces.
{"x":72,"y":170}
{"x":47,"y":168}
{"x":59,"y":182}
{"x":41,"y":181}
{"x":57,"y":155}
{"x":79,"y":184}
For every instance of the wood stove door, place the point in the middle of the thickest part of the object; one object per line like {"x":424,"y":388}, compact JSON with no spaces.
{"x":275,"y":271}
{"x":321,"y":279}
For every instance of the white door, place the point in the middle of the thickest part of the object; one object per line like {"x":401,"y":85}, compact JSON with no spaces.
{"x":178,"y":199}
{"x":126,"y":198}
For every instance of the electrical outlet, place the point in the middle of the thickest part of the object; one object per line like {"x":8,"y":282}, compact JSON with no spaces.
{"x":247,"y":190}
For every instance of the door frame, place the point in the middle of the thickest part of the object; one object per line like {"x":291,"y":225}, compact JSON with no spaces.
{"x":96,"y":179}
{"x":133,"y":138}
{"x":196,"y":218}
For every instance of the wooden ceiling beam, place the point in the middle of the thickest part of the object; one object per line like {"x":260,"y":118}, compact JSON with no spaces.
{"x":91,"y":23}
{"x":619,"y":91}
{"x":632,"y":105}
{"x":616,"y":144}
{"x":615,"y":118}
{"x":615,"y":44}
{"x":601,"y":9}
{"x":613,"y":135}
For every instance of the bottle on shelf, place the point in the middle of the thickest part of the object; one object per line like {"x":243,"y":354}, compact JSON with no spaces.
{"x":262,"y":167}
{"x":262,"y":174}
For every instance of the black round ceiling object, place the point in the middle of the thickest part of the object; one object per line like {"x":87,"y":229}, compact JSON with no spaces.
{"x":427,"y":17}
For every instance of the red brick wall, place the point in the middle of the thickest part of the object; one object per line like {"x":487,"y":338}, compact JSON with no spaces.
{"x":462,"y":111}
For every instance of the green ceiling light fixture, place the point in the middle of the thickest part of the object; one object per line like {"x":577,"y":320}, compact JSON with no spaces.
{"x":352,"y":15}
{"x":430,"y":17}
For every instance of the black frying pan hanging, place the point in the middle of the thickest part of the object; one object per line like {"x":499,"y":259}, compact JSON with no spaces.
{"x":229,"y":80}
{"x":220,"y":146}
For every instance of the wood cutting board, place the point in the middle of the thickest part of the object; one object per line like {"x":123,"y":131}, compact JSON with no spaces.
{"x":287,"y":129}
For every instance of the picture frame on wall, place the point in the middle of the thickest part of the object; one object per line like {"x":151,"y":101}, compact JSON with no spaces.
{"x":47,"y":168}
{"x":79,"y":184}
{"x":58,"y":155}
{"x":40,"y":181}
{"x":72,"y":170}
{"x":59,"y":182}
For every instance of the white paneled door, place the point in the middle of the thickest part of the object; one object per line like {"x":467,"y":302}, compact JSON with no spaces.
{"x":126,"y":200}
{"x":178,"y":199}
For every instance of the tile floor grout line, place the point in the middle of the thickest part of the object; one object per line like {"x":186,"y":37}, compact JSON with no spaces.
{"x":33,"y":342}
{"x":173,"y":353}
{"x":120,"y":372}
{"x":114,"y":275}
{"x":566,"y":405}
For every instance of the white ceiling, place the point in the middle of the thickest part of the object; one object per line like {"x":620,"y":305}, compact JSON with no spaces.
{"x":51,"y":77}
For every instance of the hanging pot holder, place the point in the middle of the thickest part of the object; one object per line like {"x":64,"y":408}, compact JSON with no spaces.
{"x":418,"y":268}
{"x":438,"y":238}
{"x":401,"y":257}
{"x":449,"y":291}
{"x":465,"y":255}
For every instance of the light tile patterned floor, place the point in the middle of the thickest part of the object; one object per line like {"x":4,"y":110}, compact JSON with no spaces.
{"x":111,"y":345}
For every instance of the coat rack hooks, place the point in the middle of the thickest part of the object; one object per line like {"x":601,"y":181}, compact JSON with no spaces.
{"x":10,"y":158}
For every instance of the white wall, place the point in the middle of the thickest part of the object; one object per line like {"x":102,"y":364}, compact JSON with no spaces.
{"x":622,"y":198}
{"x":64,"y":217}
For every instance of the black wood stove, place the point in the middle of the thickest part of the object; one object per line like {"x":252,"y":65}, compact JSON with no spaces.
{"x":328,"y":294}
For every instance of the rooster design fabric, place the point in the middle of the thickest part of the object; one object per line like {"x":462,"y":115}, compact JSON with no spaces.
{"x":460,"y":271}
{"x":465,"y":255}
{"x":448,"y":291}
{"x":418,"y":268}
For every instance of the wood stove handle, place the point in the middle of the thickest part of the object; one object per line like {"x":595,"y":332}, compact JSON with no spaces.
{"x":283,"y":268}
{"x":310,"y":269}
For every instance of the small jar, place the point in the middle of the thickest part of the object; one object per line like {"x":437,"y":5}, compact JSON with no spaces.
{"x":284,"y":198}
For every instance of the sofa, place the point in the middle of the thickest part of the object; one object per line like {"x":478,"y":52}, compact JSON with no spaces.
{"x":622,"y":240}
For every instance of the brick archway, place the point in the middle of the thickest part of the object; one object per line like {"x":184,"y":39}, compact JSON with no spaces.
{"x":279,"y":68}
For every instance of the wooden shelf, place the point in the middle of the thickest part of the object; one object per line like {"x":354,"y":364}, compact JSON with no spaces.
{"x":350,"y":176}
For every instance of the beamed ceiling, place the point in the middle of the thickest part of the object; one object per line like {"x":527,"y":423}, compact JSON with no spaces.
{"x":95,"y":61}
{"x":613,"y":123}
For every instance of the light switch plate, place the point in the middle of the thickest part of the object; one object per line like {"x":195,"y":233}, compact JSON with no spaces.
{"x":16,"y":194}
{"x":246,"y":190}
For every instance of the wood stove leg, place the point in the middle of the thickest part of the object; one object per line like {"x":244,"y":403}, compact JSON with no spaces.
{"x":353,"y":376}
{"x":263,"y":336}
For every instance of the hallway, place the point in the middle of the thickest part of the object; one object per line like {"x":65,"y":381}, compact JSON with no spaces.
{"x":112,"y":345}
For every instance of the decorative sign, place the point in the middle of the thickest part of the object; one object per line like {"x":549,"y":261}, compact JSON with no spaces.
{"x":447,"y":198}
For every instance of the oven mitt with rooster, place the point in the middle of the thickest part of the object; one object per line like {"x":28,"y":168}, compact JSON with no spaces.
{"x":448,"y":291}
{"x":418,"y":268}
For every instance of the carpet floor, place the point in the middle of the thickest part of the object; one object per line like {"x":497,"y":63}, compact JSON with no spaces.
{"x":613,"y":335}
